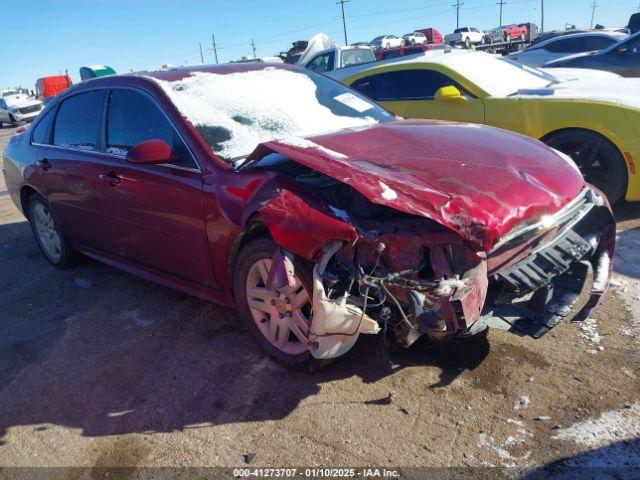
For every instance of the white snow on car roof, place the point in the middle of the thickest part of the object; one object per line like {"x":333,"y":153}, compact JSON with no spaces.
{"x":492,"y":74}
{"x":256,"y":106}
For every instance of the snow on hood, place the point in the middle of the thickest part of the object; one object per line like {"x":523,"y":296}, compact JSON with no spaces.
{"x":479,"y":181}
{"x":618,"y":91}
{"x":567,"y":74}
{"x":246,"y":108}
{"x":318,"y":43}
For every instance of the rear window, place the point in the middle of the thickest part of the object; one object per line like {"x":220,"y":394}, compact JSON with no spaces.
{"x":77,"y":121}
{"x":42,"y":132}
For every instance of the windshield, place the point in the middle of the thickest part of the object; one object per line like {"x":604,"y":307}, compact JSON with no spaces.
{"x":357,"y":56}
{"x":501,"y":77}
{"x":235,"y":112}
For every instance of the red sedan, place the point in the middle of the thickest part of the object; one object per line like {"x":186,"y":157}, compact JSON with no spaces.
{"x":314,"y":211}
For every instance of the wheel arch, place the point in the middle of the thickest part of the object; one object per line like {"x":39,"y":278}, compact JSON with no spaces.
{"x":254,"y":228}
{"x":26,"y":192}
{"x":545,"y":138}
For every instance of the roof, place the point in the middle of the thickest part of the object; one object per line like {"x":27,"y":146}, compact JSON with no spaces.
{"x":221,"y":69}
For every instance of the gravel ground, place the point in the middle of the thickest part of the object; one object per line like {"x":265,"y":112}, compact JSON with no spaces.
{"x":101,"y":369}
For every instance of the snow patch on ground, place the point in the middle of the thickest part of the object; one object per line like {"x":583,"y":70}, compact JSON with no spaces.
{"x":133,"y":316}
{"x":611,"y":426}
{"x":589,"y":333}
{"x":522,"y":402}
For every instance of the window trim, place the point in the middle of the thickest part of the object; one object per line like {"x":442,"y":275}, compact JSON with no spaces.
{"x":102,"y":127}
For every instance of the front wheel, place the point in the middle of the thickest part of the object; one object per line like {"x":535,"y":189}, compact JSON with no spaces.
{"x":13,"y":120}
{"x":276,"y":318}
{"x":598,"y":159}
{"x":48,"y":234}
{"x":467,"y":43}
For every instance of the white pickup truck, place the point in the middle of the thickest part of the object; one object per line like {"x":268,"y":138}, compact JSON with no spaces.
{"x":324,"y":56}
{"x":466,"y":36}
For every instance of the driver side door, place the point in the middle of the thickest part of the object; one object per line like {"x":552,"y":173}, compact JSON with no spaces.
{"x":412,"y":94}
{"x":156,"y":211}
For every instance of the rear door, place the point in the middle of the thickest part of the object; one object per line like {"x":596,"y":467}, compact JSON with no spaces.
{"x":411,"y":94}
{"x":156,"y":211}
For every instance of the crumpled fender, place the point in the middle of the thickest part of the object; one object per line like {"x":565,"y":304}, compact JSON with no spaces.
{"x":300,"y":228}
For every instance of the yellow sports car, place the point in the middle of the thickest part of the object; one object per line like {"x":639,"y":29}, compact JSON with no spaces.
{"x":594,"y":120}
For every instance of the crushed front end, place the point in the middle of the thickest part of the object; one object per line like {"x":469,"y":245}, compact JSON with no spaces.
{"x":377,"y":268}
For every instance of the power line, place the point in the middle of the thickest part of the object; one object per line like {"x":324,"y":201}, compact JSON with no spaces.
{"x":344,"y":19}
{"x":593,"y":12}
{"x":501,"y":4}
{"x":457,"y":7}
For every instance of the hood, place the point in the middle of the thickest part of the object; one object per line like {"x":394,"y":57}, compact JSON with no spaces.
{"x":20,"y":101}
{"x":478,"y":181}
{"x":571,"y":74}
{"x":618,"y":91}
{"x":318,"y":43}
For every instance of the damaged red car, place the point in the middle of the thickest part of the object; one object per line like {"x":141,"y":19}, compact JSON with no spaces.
{"x":317,"y":213}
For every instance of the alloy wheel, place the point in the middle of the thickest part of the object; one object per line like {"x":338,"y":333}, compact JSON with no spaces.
{"x":282,"y":315}
{"x":47,"y":232}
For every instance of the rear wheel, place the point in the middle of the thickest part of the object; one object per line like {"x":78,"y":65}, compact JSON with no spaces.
{"x":597,"y":158}
{"x":276,"y":318}
{"x":49,"y":236}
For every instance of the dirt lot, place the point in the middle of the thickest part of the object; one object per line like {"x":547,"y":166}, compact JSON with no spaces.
{"x":100,"y":368}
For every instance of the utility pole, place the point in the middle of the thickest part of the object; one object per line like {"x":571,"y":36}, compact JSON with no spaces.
{"x":344,"y":19}
{"x":541,"y":16}
{"x":201,"y":56}
{"x":457,"y":7}
{"x":214,"y":47}
{"x":253,"y":46}
{"x":593,"y":12}
{"x":501,"y":4}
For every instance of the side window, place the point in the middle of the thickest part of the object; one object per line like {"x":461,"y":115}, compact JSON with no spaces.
{"x":322,"y":63}
{"x":404,"y":85}
{"x":42,"y":132}
{"x":2,"y":104}
{"x":568,"y":45}
{"x":133,"y":118}
{"x":599,"y":43}
{"x":77,"y":121}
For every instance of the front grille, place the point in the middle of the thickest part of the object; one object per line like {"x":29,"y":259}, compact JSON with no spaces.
{"x":30,"y":109}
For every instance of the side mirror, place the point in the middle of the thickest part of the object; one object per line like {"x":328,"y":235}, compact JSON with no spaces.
{"x":449,"y":94}
{"x":622,"y":51}
{"x":149,"y":152}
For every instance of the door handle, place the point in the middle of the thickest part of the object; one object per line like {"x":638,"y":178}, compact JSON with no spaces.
{"x":111,"y":178}
{"x":44,"y":164}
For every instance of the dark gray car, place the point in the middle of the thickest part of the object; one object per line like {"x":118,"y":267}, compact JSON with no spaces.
{"x":622,"y":58}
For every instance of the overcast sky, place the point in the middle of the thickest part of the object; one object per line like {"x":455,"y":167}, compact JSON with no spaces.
{"x":53,"y":35}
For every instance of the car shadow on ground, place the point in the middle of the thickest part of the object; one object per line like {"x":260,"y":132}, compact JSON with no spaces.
{"x":97,"y":349}
{"x":627,"y":247}
{"x":624,"y":211}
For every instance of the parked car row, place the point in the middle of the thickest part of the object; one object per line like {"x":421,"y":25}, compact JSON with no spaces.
{"x":232,"y":190}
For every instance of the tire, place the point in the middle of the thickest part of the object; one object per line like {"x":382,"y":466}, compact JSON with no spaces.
{"x":467,"y":43}
{"x":14,"y":122}
{"x":600,"y":162}
{"x":508,"y":38}
{"x":48,"y":235}
{"x":252,"y":253}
